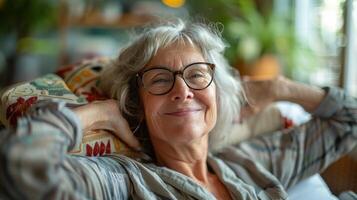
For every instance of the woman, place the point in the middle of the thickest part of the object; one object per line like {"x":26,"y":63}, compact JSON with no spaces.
{"x":175,"y":87}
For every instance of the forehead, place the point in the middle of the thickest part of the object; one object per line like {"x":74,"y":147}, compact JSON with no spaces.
{"x":176,"y":56}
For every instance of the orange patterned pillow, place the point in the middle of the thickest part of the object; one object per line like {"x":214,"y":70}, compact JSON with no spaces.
{"x":76,"y":85}
{"x":101,"y":142}
{"x":83,"y":78}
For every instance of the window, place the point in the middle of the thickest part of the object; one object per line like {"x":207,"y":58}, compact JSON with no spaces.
{"x":350,"y":70}
{"x":329,"y":28}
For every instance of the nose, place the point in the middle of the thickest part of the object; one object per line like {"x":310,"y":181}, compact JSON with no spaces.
{"x":180,"y":90}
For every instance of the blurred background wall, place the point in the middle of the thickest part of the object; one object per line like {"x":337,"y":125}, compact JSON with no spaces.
{"x":308,"y":40}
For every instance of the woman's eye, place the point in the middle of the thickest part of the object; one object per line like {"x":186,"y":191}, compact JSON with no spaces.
{"x":159,"y":78}
{"x":160,"y":81}
{"x":196,"y":75}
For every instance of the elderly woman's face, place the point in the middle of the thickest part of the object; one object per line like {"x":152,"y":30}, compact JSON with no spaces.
{"x":183,"y":115}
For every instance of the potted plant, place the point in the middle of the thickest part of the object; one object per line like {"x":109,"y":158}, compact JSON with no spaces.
{"x":262,"y":43}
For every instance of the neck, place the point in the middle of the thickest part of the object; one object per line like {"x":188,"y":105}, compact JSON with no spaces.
{"x":188,"y":159}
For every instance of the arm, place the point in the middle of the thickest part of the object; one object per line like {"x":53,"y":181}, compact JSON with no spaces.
{"x":297,"y":153}
{"x":35,"y":165}
{"x":307,"y":96}
{"x":259,"y":94}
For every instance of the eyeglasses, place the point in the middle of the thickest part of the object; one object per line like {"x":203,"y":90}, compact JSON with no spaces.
{"x":160,"y":80}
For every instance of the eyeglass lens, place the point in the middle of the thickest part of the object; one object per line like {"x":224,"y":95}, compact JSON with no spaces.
{"x":160,"y":80}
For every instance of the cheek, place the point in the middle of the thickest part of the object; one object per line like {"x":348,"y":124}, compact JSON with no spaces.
{"x":151,"y":108}
{"x":211,"y":103}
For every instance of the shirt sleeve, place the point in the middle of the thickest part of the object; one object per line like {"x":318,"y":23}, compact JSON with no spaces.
{"x":35,"y":164}
{"x":299,"y":152}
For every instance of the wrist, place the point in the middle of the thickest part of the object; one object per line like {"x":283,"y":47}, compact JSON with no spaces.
{"x":282,"y":89}
{"x":85,"y":114}
{"x":307,"y":96}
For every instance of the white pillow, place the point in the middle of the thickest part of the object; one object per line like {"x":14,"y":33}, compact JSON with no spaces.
{"x":312,"y":188}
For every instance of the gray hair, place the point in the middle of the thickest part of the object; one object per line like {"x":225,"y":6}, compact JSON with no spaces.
{"x":119,"y":80}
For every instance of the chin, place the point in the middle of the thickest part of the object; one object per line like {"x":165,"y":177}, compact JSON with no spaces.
{"x":186,"y":135}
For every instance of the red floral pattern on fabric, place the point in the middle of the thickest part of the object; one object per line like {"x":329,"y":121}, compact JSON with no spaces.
{"x":288,"y":122}
{"x":19,"y":108}
{"x":99,"y":149}
{"x":108,"y":149}
{"x":93,"y":95}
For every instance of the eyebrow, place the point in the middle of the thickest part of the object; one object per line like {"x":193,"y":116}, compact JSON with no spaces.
{"x":167,"y":67}
{"x":156,"y":66}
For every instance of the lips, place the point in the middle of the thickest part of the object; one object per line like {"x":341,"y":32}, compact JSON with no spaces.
{"x":183,"y":112}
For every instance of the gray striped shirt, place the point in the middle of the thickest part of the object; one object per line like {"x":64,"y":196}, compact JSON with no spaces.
{"x":35,"y":164}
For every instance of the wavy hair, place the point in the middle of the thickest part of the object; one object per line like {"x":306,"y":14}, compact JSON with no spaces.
{"x":119,"y":80}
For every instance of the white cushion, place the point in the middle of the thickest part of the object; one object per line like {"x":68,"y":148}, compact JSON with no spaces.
{"x":312,"y":188}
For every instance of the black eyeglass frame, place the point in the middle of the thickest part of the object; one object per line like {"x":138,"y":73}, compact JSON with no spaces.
{"x":140,"y":74}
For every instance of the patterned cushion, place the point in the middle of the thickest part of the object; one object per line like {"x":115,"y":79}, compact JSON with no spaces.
{"x":101,"y":142}
{"x":17,"y":99}
{"x":75,"y":84}
{"x":82,"y":78}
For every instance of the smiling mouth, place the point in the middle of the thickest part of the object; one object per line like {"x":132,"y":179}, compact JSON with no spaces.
{"x":180,"y":113}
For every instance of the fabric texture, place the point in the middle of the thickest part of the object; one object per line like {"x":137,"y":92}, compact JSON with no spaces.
{"x":312,"y":188}
{"x":260,"y":168}
{"x":82,"y":78}
{"x":75,"y":84}
{"x":17,"y":99}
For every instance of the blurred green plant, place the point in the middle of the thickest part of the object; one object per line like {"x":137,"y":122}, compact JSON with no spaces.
{"x":19,"y":20}
{"x":23,"y":17}
{"x":254,"y":31}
